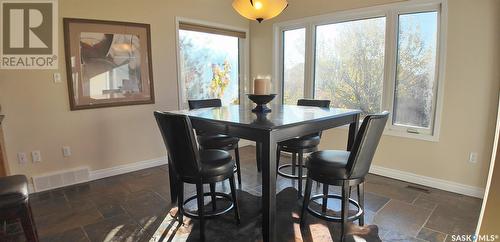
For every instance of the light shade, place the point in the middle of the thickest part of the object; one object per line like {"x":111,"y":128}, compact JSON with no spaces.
{"x":259,"y":9}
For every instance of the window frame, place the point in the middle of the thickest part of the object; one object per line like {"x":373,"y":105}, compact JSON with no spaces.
{"x":391,"y":12}
{"x":282,"y":59}
{"x":243,"y":53}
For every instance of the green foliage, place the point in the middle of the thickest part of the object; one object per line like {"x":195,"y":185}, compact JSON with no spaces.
{"x":207,"y":71}
{"x":192,"y":69}
{"x":220,"y":79}
{"x":350,"y":67}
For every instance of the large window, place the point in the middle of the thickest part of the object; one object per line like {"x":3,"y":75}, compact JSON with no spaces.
{"x":294,"y":42}
{"x":416,"y":67}
{"x":349,"y":64}
{"x":382,"y":58}
{"x":209,"y":63}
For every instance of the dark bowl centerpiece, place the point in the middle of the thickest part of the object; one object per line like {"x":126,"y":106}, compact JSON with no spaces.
{"x":261,"y":100}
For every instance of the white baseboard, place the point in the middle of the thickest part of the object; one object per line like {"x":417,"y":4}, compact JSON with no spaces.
{"x":126,"y":168}
{"x":378,"y":170}
{"x":117,"y":170}
{"x":428,"y":181}
{"x":112,"y":171}
{"x":419,"y":179}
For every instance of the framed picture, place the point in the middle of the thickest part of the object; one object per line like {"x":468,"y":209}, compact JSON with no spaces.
{"x":108,"y":63}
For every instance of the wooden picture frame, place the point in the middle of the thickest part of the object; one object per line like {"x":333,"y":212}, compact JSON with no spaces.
{"x":108,"y":63}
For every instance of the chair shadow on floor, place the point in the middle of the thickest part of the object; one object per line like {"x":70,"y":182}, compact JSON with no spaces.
{"x":288,"y":227}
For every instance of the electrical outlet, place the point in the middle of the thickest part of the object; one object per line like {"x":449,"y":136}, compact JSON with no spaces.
{"x":473,"y":157}
{"x":66,"y":151}
{"x":36,"y":156}
{"x":22,"y":158}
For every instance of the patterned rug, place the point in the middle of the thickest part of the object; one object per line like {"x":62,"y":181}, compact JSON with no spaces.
{"x":224,"y":228}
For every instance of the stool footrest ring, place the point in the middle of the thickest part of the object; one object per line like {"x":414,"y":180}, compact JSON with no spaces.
{"x":334,"y":218}
{"x":283,"y":174}
{"x":209,"y":214}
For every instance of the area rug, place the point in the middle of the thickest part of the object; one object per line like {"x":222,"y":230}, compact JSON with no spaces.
{"x":224,"y":228}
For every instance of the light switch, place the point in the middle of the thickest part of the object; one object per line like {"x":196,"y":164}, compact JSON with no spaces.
{"x":57,"y":77}
{"x":36,"y":156}
{"x":22,"y":158}
{"x":66,"y":151}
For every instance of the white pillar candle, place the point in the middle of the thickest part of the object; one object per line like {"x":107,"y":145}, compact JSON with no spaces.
{"x":260,"y":86}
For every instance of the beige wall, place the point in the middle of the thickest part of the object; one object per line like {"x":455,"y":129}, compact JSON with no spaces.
{"x":37,"y":110}
{"x":470,"y":93}
{"x":38,"y":116}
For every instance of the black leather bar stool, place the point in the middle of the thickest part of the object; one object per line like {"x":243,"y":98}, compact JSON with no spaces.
{"x":195,"y":166}
{"x":345,"y":169}
{"x":14,"y":204}
{"x":300,"y":145}
{"x":209,"y":140}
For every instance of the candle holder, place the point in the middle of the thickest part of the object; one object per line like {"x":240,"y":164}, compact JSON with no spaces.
{"x":261,"y":100}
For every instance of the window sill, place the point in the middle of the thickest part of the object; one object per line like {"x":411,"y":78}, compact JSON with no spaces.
{"x":402,"y":134}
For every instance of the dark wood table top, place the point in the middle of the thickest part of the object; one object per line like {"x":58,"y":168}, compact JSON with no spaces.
{"x":280,"y":117}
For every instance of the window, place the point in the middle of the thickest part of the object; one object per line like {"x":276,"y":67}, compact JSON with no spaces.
{"x":294,"y":42}
{"x":386,"y":57}
{"x":416,"y":66}
{"x":209,"y":63}
{"x":349,"y":64}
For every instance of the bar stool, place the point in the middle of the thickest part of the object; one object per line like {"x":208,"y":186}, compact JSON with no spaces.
{"x":196,"y":166}
{"x":345,"y":169}
{"x":207,"y":140}
{"x":14,"y":204}
{"x":300,"y":145}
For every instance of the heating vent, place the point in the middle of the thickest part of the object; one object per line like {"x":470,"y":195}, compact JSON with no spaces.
{"x":60,"y":179}
{"x":420,"y":189}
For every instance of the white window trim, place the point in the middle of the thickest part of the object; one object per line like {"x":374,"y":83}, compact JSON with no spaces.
{"x":390,"y":11}
{"x":244,"y":61}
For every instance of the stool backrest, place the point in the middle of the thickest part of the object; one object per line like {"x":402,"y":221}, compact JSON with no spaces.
{"x":178,"y":135}
{"x":365,"y":144}
{"x":204,"y":103}
{"x":314,"y":103}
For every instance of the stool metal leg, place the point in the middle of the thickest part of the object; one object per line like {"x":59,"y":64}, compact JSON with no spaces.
{"x":214,"y":197}
{"x":294,"y":161}
{"x":299,"y":180}
{"x":180,"y":201}
{"x":345,"y":209}
{"x":325,"y":198}
{"x":361,"y":198}
{"x":199,"y":197}
{"x":238,"y":167}
{"x":235,"y":201}
{"x":28,"y":223}
{"x":278,"y":156}
{"x":305,"y":204}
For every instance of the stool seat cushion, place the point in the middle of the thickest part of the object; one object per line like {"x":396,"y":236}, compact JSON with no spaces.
{"x":216,"y":163}
{"x":217,"y":141}
{"x":332,"y":163}
{"x":302,"y":142}
{"x":13,"y":190}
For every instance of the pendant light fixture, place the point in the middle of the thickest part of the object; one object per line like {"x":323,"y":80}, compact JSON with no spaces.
{"x":259,"y":10}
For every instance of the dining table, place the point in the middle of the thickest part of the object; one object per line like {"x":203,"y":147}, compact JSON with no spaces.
{"x":267,"y":130}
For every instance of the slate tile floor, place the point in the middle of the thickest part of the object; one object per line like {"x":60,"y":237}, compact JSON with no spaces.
{"x":130,"y":207}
